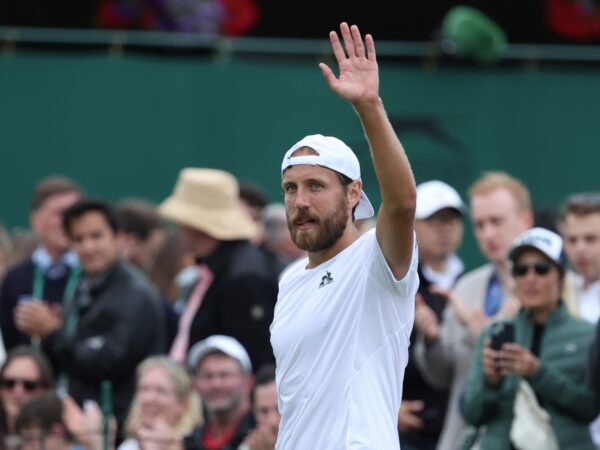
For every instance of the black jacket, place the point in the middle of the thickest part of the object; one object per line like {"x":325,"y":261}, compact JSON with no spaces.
{"x":240,"y":301}
{"x":18,"y":283}
{"x":415,"y":386}
{"x":120,"y":323}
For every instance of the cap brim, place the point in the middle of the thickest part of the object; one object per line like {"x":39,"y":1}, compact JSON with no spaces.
{"x":364,"y":209}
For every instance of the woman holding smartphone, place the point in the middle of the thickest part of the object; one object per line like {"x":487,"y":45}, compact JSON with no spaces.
{"x":548,"y":353}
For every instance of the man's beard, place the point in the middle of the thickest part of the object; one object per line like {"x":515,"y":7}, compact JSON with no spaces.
{"x":224,"y":406}
{"x":325,"y":235}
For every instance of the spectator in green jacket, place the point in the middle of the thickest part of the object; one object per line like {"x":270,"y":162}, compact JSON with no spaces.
{"x":548,"y":350}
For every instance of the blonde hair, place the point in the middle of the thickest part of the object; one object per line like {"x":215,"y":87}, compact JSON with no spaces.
{"x":184,"y":390}
{"x":490,"y":181}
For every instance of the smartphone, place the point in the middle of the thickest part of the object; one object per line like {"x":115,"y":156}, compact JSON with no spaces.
{"x":501,"y":333}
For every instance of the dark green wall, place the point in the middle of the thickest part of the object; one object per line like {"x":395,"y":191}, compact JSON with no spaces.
{"x":125,"y":126}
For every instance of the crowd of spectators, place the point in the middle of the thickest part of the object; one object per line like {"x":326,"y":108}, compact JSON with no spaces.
{"x":171,"y":304}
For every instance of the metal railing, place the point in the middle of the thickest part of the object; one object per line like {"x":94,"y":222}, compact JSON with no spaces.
{"x":15,"y":37}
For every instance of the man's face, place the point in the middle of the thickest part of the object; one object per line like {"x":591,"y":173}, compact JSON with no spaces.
{"x":581,"y":237}
{"x":439,"y":235}
{"x":265,"y":406}
{"x":317,"y":206}
{"x":197,"y":242}
{"x":46,"y":221}
{"x":94,"y":241}
{"x":497,"y":222}
{"x":222,"y":384}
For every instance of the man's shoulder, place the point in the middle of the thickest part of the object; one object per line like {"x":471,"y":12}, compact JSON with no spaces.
{"x":18,"y":274}
{"x":246,"y":259}
{"x":134,"y":279}
{"x":478,"y":275}
{"x":19,"y":270}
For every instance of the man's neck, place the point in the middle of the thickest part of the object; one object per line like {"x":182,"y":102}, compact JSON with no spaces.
{"x":55,"y":253}
{"x":438,"y":265}
{"x":503,"y":272}
{"x":317,"y":258}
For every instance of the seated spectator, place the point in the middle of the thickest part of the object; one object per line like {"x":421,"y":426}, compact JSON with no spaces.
{"x":52,"y":272}
{"x":165,"y":407}
{"x":223,"y":377}
{"x":548,"y":351}
{"x":236,"y":289}
{"x":114,"y":320}
{"x":266,"y":412}
{"x":44,"y":424}
{"x":25,"y":374}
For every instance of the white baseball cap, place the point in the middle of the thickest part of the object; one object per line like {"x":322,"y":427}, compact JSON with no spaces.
{"x":219,"y":343}
{"x":541,"y":239}
{"x":335,"y":155}
{"x":435,"y":195}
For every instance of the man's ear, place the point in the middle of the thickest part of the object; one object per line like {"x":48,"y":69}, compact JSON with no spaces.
{"x":354,"y":191}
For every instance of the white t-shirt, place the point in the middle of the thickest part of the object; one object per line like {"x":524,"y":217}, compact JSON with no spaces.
{"x":340,"y":337}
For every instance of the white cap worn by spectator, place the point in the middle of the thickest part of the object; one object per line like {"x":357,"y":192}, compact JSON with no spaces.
{"x":542,"y":240}
{"x":222,"y":344}
{"x":435,"y":195}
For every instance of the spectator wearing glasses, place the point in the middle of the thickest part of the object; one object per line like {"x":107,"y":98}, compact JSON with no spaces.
{"x":25,"y":374}
{"x":548,"y":351}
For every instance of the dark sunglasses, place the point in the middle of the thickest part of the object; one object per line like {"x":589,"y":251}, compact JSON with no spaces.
{"x":520,"y":270}
{"x":28,"y":385}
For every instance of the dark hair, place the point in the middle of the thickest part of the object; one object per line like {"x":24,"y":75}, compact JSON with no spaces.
{"x":39,"y":359}
{"x":264,"y":375}
{"x":87,"y":205}
{"x":138,"y":217}
{"x":252,"y":194}
{"x":50,"y":186}
{"x":42,"y":411}
{"x":166,"y":265}
{"x":581,"y":204}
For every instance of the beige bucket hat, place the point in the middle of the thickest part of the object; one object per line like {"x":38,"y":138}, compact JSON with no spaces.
{"x":208,"y":200}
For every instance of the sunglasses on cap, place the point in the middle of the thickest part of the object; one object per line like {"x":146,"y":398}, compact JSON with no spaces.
{"x":541,"y":268}
{"x":28,"y":385}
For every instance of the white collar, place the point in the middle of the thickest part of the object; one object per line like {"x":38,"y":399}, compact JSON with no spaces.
{"x":42,"y":259}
